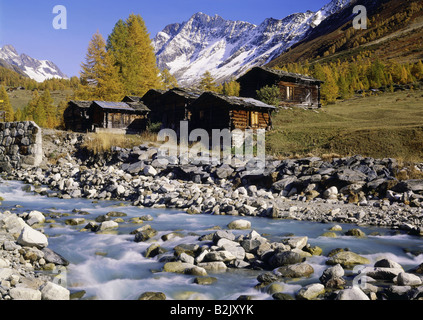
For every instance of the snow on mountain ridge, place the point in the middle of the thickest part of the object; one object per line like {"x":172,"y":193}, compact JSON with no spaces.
{"x":228,"y":48}
{"x":39,"y":70}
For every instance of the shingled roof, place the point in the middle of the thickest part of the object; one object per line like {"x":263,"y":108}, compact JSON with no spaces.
{"x":139,"y":106}
{"x":186,"y":93}
{"x":81,"y":104}
{"x":287,"y":76}
{"x":122,"y":106}
{"x":132,"y":99}
{"x":236,"y":101}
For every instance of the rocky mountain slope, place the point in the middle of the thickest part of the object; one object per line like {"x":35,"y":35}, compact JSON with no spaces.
{"x":38,"y":70}
{"x":394,"y":33}
{"x":229,"y":48}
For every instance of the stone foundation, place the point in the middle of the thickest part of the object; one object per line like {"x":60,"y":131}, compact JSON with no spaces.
{"x":20,"y":145}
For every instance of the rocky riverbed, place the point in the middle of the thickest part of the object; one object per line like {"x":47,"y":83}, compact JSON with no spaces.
{"x":353,"y":190}
{"x":356,"y":190}
{"x":29,"y":270}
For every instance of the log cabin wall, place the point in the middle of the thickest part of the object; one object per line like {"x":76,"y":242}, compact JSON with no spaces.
{"x":76,"y":116}
{"x":254,"y":81}
{"x":118,"y":120}
{"x":172,"y":108}
{"x":305,"y":90}
{"x":212,"y":114}
{"x":152,"y":99}
{"x":170,"y":113}
{"x":250,"y":119}
{"x":113,"y":119}
{"x":298,"y":94}
{"x":209,"y":115}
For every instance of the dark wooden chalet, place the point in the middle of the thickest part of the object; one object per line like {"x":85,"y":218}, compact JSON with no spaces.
{"x":295,"y":89}
{"x":170,"y":108}
{"x":77,"y":116}
{"x":215,"y":111}
{"x":118,"y":115}
{"x":152,"y":100}
{"x":83,"y":116}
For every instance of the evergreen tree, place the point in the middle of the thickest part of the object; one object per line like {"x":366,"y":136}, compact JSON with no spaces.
{"x":35,"y":110}
{"x":28,"y":110}
{"x":99,"y":77}
{"x":269,"y":95}
{"x":18,"y":115}
{"x":376,"y":74}
{"x":133,"y":53}
{"x":40,"y":110}
{"x":417,"y":70}
{"x":207,"y":82}
{"x":344,"y":85}
{"x":5,"y":106}
{"x":231,"y":88}
{"x":330,"y":88}
{"x":117,"y":44}
{"x":46,"y":104}
{"x":59,"y":114}
{"x":168,"y":80}
{"x":404,"y":78}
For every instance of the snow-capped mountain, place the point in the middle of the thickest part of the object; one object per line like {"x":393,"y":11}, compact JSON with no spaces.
{"x":230,"y":48}
{"x":39,"y":70}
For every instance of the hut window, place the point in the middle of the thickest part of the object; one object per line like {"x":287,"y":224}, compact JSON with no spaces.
{"x":254,"y":119}
{"x":202,"y":115}
{"x":289,"y":93}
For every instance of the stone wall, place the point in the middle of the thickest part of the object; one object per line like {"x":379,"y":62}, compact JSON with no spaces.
{"x":20,"y":145}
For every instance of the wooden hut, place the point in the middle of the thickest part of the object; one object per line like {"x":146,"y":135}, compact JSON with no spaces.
{"x":77,"y":116}
{"x":170,"y":108}
{"x":118,"y":116}
{"x":295,"y":89}
{"x":215,"y":111}
{"x":152,"y":100}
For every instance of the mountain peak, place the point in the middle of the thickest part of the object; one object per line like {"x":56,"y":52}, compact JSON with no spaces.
{"x":204,"y":18}
{"x":39,"y":70}
{"x":228,"y":48}
{"x":9,"y":48}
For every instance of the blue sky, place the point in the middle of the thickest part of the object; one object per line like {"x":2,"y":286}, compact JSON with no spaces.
{"x":27,"y":24}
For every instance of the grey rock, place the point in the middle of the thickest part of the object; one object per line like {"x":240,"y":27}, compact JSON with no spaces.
{"x":333,"y":272}
{"x":354,"y":293}
{"x":382,"y":273}
{"x":32,"y":238}
{"x":52,"y":257}
{"x":52,"y":291}
{"x":285,"y":258}
{"x":297,"y":242}
{"x":223,"y":234}
{"x":214,"y":266}
{"x":251,"y":245}
{"x":386,"y":263}
{"x":408,"y":279}
{"x":296,"y":270}
{"x":347,"y":259}
{"x":311,"y":291}
{"x":152,"y":296}
{"x":224,"y":171}
{"x":23,"y":293}
{"x":150,"y":171}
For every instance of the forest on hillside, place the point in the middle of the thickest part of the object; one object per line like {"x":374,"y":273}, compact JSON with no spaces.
{"x":363,"y":73}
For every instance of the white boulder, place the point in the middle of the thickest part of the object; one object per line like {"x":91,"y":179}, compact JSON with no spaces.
{"x":32,"y":238}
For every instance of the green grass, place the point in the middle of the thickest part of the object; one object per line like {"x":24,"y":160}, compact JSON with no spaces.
{"x":386,"y":125}
{"x":20,"y":98}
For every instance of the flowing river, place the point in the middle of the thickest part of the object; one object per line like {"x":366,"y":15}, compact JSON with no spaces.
{"x":113,"y":267}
